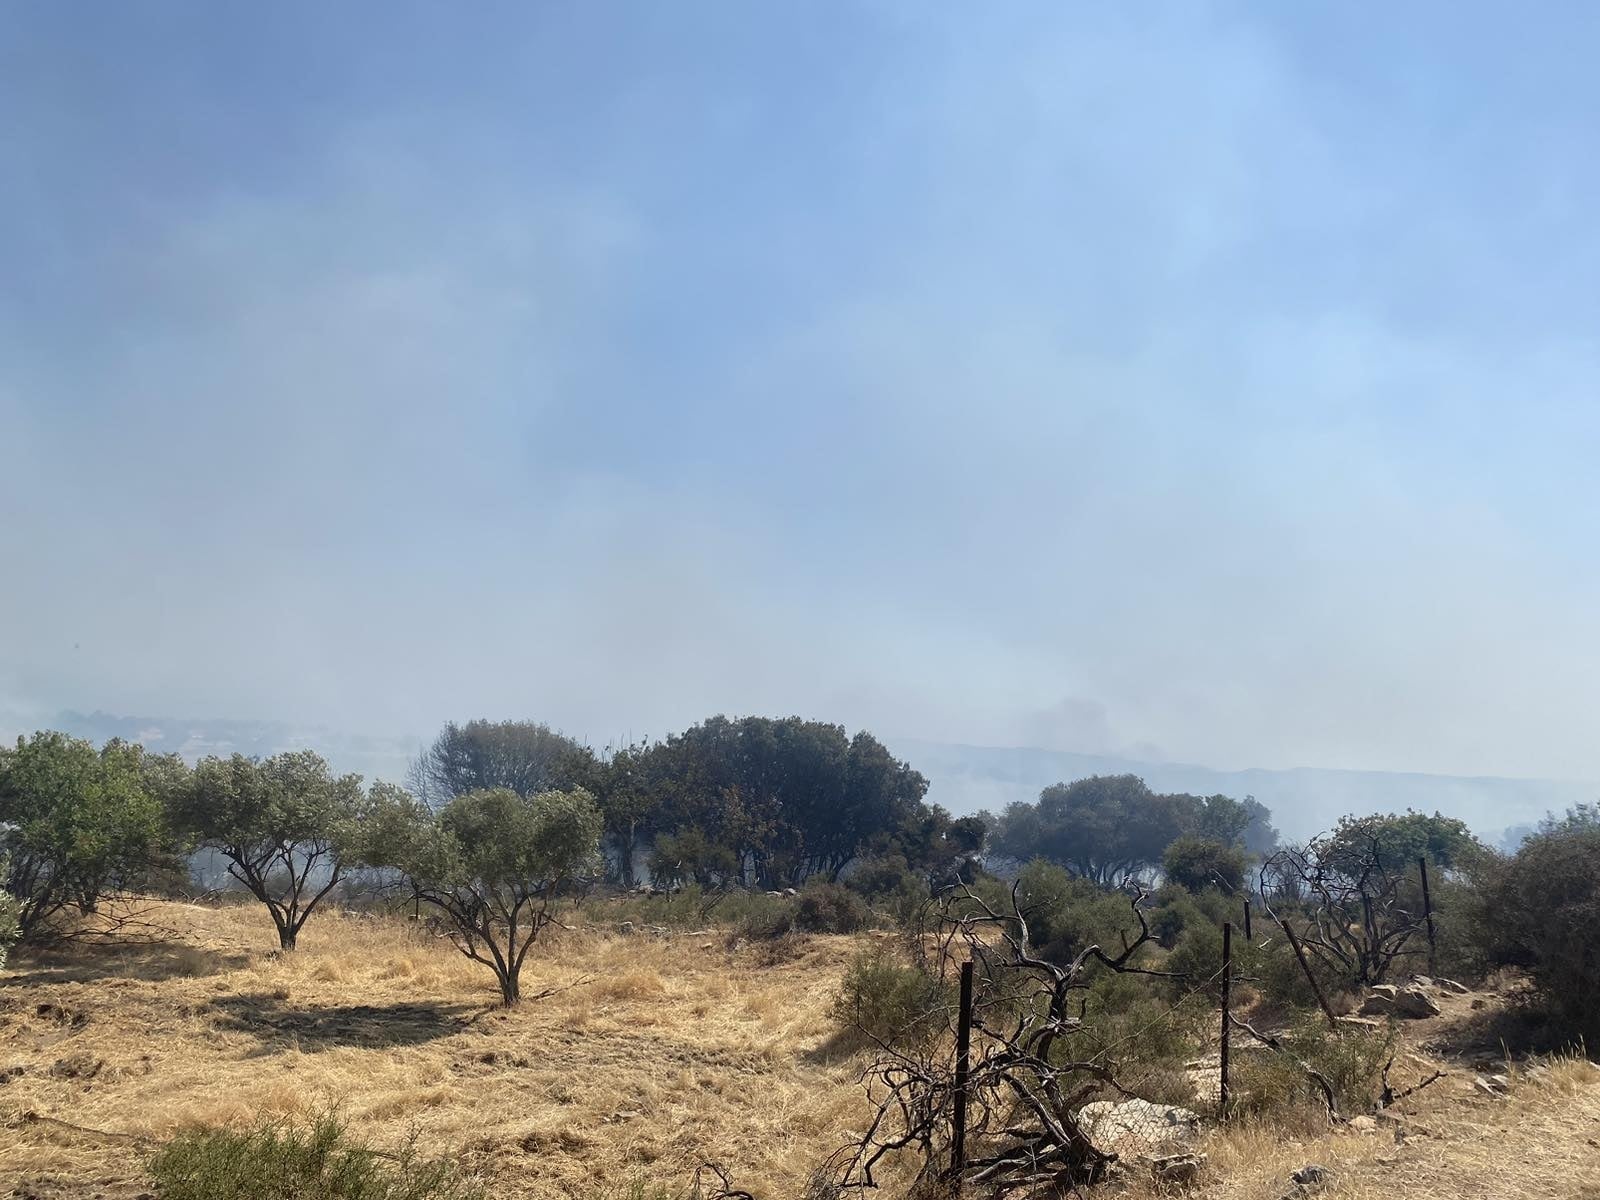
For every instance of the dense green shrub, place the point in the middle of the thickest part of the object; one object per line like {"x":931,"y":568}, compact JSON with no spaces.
{"x":1066,"y":914}
{"x":879,"y":877}
{"x":1174,"y":909}
{"x":1470,"y":940}
{"x":830,"y":908}
{"x":1197,"y":954}
{"x":890,"y":1000}
{"x":1277,"y":973}
{"x":286,"y":1161}
{"x":1543,"y":910}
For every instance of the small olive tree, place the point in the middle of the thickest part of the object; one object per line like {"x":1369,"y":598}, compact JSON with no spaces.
{"x":492,"y":863}
{"x":286,"y":825}
{"x":75,"y":824}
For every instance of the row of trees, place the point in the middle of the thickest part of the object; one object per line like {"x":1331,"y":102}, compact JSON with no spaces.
{"x":1112,"y":828}
{"x":501,"y":820}
{"x":751,"y":801}
{"x":79,"y":824}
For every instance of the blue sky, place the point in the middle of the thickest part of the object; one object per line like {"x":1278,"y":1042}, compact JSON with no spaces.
{"x":1208,"y":382}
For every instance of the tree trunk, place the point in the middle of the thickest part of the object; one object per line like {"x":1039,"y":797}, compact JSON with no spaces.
{"x":287,"y":929}
{"x":510,"y":986}
{"x":628,"y":845}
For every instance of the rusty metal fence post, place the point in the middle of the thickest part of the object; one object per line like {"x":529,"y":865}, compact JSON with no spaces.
{"x":1227,"y":1017}
{"x":958,"y":1132}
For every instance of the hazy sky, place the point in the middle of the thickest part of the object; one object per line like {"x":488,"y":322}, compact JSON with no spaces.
{"x":1216,"y":382}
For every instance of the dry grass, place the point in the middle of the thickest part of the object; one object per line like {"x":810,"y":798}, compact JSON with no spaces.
{"x":1542,"y":1142}
{"x":677,"y":1052}
{"x":673,"y":1053}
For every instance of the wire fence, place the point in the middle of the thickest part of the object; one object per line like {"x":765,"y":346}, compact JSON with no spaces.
{"x":1155,"y":1054}
{"x":1158,"y":1054}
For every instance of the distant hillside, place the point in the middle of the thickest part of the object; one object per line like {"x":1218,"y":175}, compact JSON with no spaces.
{"x":372,"y":757}
{"x":1304,"y":800}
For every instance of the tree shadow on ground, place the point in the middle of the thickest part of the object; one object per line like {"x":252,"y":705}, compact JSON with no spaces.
{"x":85,"y":961}
{"x":842,"y":1045}
{"x":1515,"y":1028}
{"x":279,"y":1025}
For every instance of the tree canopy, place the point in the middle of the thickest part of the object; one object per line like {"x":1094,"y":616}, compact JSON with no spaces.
{"x":1197,"y":863}
{"x":1109,"y":828}
{"x":75,"y":822}
{"x":774,"y":801}
{"x":1395,"y":841}
{"x":491,"y":863}
{"x":286,"y":825}
{"x":524,"y":756}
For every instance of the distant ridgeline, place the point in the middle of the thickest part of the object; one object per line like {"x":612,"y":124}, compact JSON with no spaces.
{"x":1304,"y":800}
{"x":371,"y":757}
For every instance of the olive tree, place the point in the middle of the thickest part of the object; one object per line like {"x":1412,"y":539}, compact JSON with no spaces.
{"x":492,"y":863}
{"x":75,"y":824}
{"x":286,"y":826}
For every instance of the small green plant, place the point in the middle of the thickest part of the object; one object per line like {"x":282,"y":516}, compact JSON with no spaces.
{"x":298,"y":1161}
{"x":889,"y":1000}
{"x":1066,"y":913}
{"x":1275,"y":1082}
{"x":1141,"y":1035}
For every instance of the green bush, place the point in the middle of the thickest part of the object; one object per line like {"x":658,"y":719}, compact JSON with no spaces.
{"x":890,"y":886}
{"x":830,"y":908}
{"x":1274,"y":1083}
{"x":763,"y":918}
{"x":1066,"y":914}
{"x":1469,"y":937}
{"x":890,"y":1000}
{"x":1544,"y":916}
{"x":1282,"y":980}
{"x":1142,"y":1034}
{"x":287,"y":1161}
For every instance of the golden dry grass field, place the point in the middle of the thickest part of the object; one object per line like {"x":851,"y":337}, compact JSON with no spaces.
{"x":657,"y":1056}
{"x":676,"y":1052}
